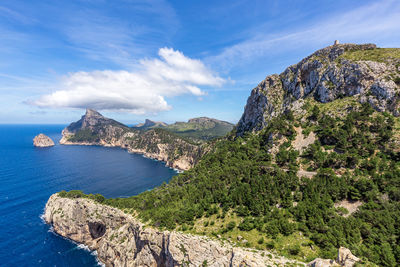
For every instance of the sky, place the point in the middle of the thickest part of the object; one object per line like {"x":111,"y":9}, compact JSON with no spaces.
{"x":165,"y":60}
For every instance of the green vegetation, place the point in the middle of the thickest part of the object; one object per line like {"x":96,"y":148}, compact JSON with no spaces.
{"x":377,"y":54}
{"x":242,"y":191}
{"x":200,"y":128}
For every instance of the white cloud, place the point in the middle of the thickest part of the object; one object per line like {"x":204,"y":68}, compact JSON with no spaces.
{"x":139,"y":92}
{"x":378,"y":21}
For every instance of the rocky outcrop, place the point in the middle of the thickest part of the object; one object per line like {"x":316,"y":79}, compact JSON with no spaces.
{"x":42,"y":140}
{"x":121,"y":240}
{"x":95,"y":129}
{"x":345,"y":258}
{"x":325,"y":76}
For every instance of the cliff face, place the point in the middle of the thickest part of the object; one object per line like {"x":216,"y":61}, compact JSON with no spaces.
{"x":365,"y":71}
{"x":95,"y":129}
{"x":121,"y":240}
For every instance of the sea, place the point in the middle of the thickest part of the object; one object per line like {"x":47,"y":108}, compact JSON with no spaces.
{"x":30,"y":175}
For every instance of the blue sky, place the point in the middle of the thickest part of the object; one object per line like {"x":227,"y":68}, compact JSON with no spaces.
{"x":165,"y":60}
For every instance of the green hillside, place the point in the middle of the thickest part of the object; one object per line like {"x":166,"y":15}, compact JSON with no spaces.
{"x":312,"y":165}
{"x":197,"y":129}
{"x":201,"y":128}
{"x":243,"y":191}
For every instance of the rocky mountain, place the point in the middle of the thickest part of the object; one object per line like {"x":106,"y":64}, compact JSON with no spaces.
{"x":202,"y":128}
{"x":148,"y":124}
{"x":122,"y":240}
{"x":314,"y":166}
{"x":196,"y":129}
{"x":370,"y":74}
{"x":95,"y":129}
{"x":42,"y":140}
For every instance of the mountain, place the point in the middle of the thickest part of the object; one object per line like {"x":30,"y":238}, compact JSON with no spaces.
{"x":95,"y":129}
{"x":150,"y":124}
{"x":312,"y":166}
{"x":196,"y":129}
{"x":202,"y":128}
{"x":365,"y":72}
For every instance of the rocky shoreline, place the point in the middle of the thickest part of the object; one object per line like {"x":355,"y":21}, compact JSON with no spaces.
{"x":95,"y":129}
{"x":122,"y":240}
{"x":180,"y":164}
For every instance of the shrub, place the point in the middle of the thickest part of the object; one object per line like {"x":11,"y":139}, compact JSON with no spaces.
{"x":231,"y":225}
{"x":294,"y":249}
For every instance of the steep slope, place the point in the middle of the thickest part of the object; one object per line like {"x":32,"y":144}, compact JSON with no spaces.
{"x":368,"y":73}
{"x":149,"y":124}
{"x":315,"y":165}
{"x":196,"y":129}
{"x":122,"y":240}
{"x":202,"y":128}
{"x":95,"y":129}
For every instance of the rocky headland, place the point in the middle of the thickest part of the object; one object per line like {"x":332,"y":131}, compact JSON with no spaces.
{"x":42,"y":140}
{"x":326,"y":96}
{"x":122,"y":240}
{"x":95,"y":129}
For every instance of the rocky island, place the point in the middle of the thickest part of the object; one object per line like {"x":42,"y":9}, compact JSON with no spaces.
{"x":312,"y":141}
{"x":42,"y":140}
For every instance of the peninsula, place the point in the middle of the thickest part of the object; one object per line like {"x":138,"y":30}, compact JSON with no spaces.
{"x":311,"y":167}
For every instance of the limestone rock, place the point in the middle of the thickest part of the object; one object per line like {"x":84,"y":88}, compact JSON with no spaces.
{"x":325,"y":77}
{"x":42,"y":140}
{"x":318,"y":262}
{"x":121,"y":240}
{"x":99,"y":130}
{"x":346,"y":258}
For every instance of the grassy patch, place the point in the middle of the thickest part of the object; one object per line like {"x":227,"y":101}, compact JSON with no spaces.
{"x":334,"y":108}
{"x":378,"y":54}
{"x":295,"y":246}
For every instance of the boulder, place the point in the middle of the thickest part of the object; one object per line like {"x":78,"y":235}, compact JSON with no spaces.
{"x":346,"y":258}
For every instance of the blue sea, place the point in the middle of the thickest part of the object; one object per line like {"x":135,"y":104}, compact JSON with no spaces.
{"x":29,"y":175}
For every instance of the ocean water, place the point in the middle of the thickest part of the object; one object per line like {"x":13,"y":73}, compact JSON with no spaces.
{"x":29,"y":175}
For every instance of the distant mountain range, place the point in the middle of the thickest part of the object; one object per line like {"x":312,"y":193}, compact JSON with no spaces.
{"x":202,"y":128}
{"x":180,"y":145}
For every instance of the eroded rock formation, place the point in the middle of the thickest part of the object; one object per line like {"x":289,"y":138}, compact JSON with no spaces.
{"x":42,"y":140}
{"x":325,"y":76}
{"x":121,"y":240}
{"x":95,"y":129}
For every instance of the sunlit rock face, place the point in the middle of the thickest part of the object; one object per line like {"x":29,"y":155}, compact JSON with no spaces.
{"x":42,"y":140}
{"x":326,"y":75}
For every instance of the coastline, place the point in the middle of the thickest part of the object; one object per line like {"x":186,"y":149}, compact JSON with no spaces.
{"x":145,"y":154}
{"x":120,"y":239}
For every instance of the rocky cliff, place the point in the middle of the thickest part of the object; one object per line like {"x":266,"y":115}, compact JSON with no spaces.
{"x":369,"y":73}
{"x":121,"y":240}
{"x":95,"y":129}
{"x":42,"y":140}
